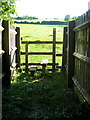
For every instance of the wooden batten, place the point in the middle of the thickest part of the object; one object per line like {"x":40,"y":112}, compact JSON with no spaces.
{"x":82,"y":57}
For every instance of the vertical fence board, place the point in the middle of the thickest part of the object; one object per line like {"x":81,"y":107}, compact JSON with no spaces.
{"x":1,"y":52}
{"x":6,"y":56}
{"x":64,"y":57}
{"x":54,"y":49}
{"x":26,"y":57}
{"x":18,"y":46}
{"x":71,"y":49}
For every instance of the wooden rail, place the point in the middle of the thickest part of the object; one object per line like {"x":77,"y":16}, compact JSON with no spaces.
{"x":42,"y":42}
{"x":37,"y":64}
{"x":40,"y":53}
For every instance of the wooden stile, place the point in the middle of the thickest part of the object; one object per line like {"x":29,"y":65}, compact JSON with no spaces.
{"x":53,"y":53}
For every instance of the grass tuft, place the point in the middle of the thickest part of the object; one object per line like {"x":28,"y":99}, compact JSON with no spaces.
{"x":45,"y":97}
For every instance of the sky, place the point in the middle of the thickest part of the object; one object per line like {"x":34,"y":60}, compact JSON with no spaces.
{"x":51,"y":8}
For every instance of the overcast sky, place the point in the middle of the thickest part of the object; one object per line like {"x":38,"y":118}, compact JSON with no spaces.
{"x":52,"y":8}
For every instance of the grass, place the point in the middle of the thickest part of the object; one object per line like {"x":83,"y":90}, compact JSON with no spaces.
{"x":41,"y":97}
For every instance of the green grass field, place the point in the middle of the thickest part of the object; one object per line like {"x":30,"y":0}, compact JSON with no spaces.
{"x":41,"y":33}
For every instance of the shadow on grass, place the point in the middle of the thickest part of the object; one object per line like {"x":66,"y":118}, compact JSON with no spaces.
{"x":42,"y":98}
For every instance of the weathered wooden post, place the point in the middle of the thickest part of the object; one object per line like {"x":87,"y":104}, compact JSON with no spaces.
{"x":54,"y":49}
{"x":18,"y":47}
{"x":26,"y":56}
{"x":71,"y":50}
{"x":64,"y":57}
{"x":6,"y":57}
{"x":1,"y":75}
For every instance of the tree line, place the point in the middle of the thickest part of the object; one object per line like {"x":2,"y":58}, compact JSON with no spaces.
{"x":43,"y":22}
{"x":25,"y":18}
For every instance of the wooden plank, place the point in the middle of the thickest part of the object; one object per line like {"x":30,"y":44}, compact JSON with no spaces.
{"x":64,"y":57}
{"x":6,"y":57}
{"x":82,"y":26}
{"x":37,"y":53}
{"x":58,"y":67}
{"x":39,"y":69}
{"x":88,"y":41}
{"x":59,"y":54}
{"x":50,"y":64}
{"x":26,"y":56}
{"x":32,"y":69}
{"x":42,"y":42}
{"x":54,"y":49}
{"x":71,"y":50}
{"x":82,"y":57}
{"x":18,"y":46}
{"x":81,"y":90}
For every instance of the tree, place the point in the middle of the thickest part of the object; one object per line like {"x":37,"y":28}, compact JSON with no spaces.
{"x":7,"y":9}
{"x":67,"y":18}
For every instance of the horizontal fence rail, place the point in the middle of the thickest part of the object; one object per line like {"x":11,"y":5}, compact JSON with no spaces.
{"x":41,"y":42}
{"x":40,"y":53}
{"x":38,"y":64}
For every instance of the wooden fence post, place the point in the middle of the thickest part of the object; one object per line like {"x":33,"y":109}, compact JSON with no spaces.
{"x":6,"y":57}
{"x":64,"y":57}
{"x":18,"y":47}
{"x":71,"y":50}
{"x":54,"y":49}
{"x":26,"y":57}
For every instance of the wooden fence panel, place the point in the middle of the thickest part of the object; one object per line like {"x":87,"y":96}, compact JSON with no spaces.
{"x":78,"y":61}
{"x":82,"y":55}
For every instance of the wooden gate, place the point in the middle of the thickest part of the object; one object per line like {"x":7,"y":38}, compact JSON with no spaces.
{"x":53,"y":53}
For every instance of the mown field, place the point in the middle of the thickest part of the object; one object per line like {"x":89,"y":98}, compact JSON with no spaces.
{"x":41,"y":33}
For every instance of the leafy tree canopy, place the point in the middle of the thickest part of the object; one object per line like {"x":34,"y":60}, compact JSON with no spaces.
{"x":7,"y":9}
{"x":67,"y":17}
